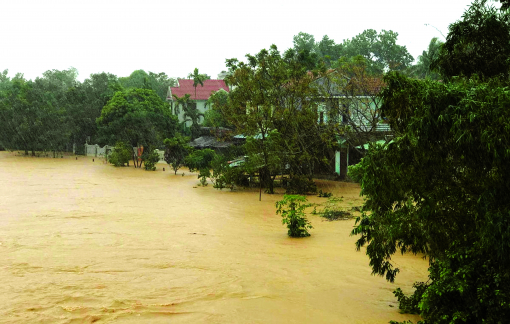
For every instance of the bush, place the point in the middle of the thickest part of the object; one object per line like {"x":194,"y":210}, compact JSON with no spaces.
{"x":121,"y":154}
{"x":200,"y":159}
{"x":219,"y":167}
{"x":150,"y":160}
{"x":324,"y":194}
{"x":331,"y":211}
{"x":301,"y":185}
{"x":203,"y":175}
{"x":292,"y":211}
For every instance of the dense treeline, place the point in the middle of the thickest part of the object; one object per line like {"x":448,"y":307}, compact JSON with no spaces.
{"x":55,"y":111}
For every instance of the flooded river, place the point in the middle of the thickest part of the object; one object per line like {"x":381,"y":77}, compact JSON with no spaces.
{"x":84,"y":242}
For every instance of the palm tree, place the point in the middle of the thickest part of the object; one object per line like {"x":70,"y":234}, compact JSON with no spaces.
{"x":182,"y":101}
{"x":197,"y":79}
{"x":191,"y":113}
{"x":427,"y":58}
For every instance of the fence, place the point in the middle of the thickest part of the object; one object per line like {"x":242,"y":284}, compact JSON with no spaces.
{"x":98,"y":151}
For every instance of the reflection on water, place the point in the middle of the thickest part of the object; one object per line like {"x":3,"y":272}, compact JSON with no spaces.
{"x":85,"y":242}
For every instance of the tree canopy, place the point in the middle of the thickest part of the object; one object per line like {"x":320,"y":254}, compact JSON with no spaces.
{"x":479,"y":43}
{"x":440,"y":186}
{"x":274,"y":103}
{"x":137,"y":117}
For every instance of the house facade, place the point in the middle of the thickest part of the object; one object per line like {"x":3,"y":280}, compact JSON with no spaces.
{"x":198,"y":98}
{"x":353,"y":103}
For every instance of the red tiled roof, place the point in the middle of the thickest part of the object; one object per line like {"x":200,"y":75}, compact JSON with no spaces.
{"x":203,"y":92}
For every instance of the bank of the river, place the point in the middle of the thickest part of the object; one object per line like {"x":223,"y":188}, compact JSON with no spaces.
{"x":84,"y":242}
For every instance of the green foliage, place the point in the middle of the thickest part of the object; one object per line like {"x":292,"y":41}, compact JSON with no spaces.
{"x":292,"y":207}
{"x":440,"y":188}
{"x":331,"y":210}
{"x":302,"y":185}
{"x":477,"y":44}
{"x":274,"y":105}
{"x":191,"y":113}
{"x":200,"y":160}
{"x":203,"y":175}
{"x":139,"y":79}
{"x":424,"y":68}
{"x":324,"y":194}
{"x":177,"y":149}
{"x":150,"y":160}
{"x":219,"y":167}
{"x":137,"y":117}
{"x":121,"y":154}
{"x":379,"y":49}
{"x":410,"y":305}
{"x":214,"y":117}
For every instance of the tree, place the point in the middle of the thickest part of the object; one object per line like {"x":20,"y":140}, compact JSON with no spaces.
{"x":329,"y":51}
{"x":197,"y":79}
{"x":292,"y":209}
{"x":139,"y":79}
{"x":191,"y":113}
{"x":273,"y":102}
{"x":85,"y":102}
{"x":32,"y":113}
{"x":440,"y":189}
{"x":423,"y":69}
{"x":177,"y":149}
{"x":137,"y":117}
{"x":380,"y":50}
{"x":214,"y":116}
{"x":477,"y":44}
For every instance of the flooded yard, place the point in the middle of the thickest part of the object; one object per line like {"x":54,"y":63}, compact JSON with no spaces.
{"x":84,"y":242}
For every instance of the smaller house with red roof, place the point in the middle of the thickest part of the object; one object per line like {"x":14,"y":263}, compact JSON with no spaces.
{"x":185,"y":86}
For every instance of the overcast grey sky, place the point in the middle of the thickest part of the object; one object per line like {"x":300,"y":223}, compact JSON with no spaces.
{"x":176,"y":36}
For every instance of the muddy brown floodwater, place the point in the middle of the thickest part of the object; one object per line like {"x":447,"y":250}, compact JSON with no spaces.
{"x":84,"y":242}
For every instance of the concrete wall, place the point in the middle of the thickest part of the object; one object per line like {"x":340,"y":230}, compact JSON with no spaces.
{"x":98,"y":151}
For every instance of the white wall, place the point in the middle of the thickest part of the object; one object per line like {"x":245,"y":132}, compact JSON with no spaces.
{"x":201,"y":106}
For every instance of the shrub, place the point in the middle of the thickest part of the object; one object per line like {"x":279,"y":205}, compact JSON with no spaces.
{"x":291,"y":208}
{"x":203,"y":175}
{"x":301,"y":185}
{"x":121,"y":154}
{"x":150,"y":160}
{"x":324,"y":194}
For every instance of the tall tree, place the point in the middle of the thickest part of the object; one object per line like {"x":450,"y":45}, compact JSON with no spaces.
{"x":445,"y":176}
{"x":380,"y":49}
{"x":139,"y":79}
{"x":197,"y":79}
{"x":273,"y":103}
{"x":478,"y":43}
{"x":440,"y":188}
{"x":137,"y":117}
{"x":191,"y":113}
{"x":423,"y":68}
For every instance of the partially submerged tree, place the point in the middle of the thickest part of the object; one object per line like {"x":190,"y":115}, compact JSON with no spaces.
{"x":177,"y":149}
{"x":274,"y":104}
{"x":440,"y":189}
{"x":138,"y":117}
